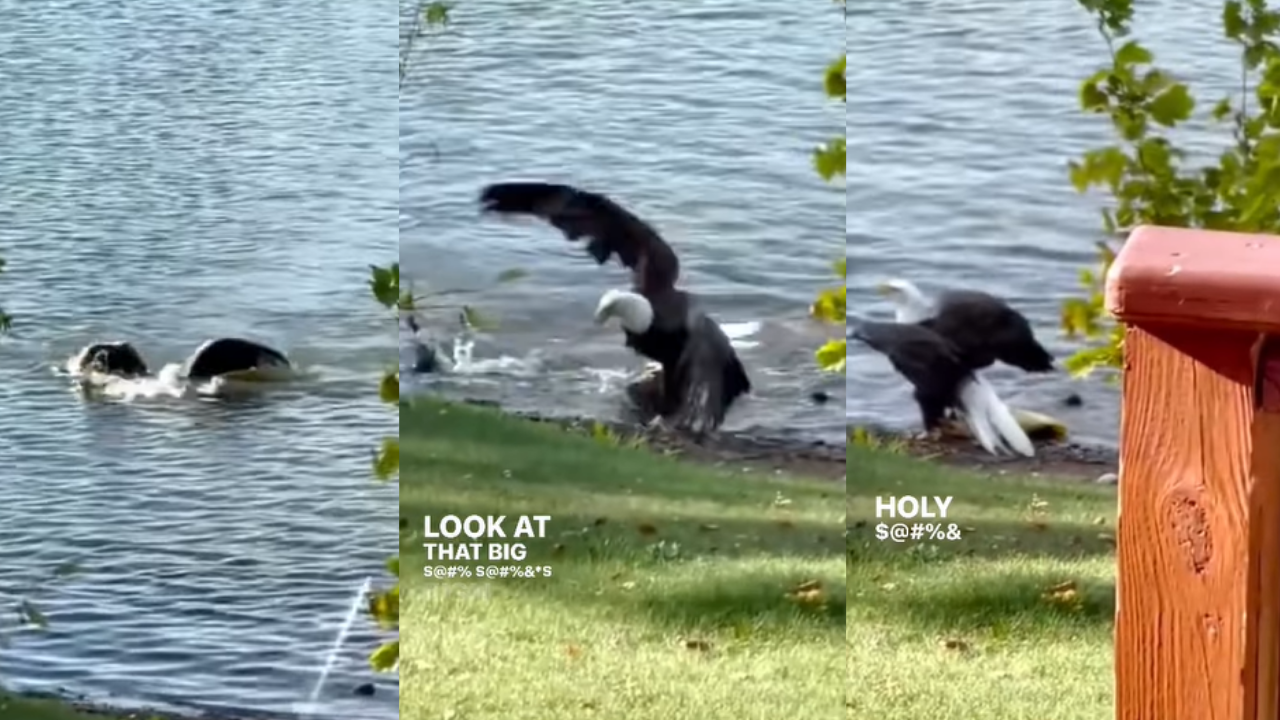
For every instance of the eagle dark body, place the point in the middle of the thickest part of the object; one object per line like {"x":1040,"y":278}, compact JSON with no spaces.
{"x":983,"y":329}
{"x":121,"y":359}
{"x":701,"y":374}
{"x":927,"y":360}
{"x":228,"y":355}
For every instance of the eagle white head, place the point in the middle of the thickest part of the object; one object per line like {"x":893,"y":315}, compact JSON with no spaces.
{"x":633,"y":311}
{"x":909,"y":302}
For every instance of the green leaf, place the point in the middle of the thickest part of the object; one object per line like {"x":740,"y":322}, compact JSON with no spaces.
{"x":385,"y":658}
{"x":393,"y":566}
{"x":1092,"y":98}
{"x":1131,"y":53}
{"x":386,"y":463}
{"x":1233,"y":22}
{"x":1172,"y":106}
{"x":832,"y":356}
{"x":385,"y":284}
{"x":834,"y":80}
{"x":389,"y":388}
{"x":1222,"y":109}
{"x":436,"y":14}
{"x":830,"y":306}
{"x":384,"y":607}
{"x":829,"y":160}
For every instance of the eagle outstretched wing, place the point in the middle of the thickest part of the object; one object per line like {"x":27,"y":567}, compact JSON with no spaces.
{"x":611,"y":229}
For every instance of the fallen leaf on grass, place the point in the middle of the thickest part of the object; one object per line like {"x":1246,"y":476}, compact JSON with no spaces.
{"x":600,"y":521}
{"x":573,"y":651}
{"x":954,"y":644}
{"x":1038,"y":525}
{"x":808,"y":593}
{"x":699,"y":645}
{"x":647,"y":529}
{"x":1064,"y":595}
{"x":786,"y":524}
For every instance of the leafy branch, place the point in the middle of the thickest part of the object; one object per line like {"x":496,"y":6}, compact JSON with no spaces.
{"x":1148,"y":176}
{"x":829,"y":162}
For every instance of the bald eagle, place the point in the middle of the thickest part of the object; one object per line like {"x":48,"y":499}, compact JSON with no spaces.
{"x":117,"y":358}
{"x":223,"y":356}
{"x":982,"y":328}
{"x":944,"y":381}
{"x":702,"y":375}
{"x":211,"y":359}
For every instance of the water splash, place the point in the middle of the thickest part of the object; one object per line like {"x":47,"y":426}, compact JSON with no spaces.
{"x":310,"y":706}
{"x":739,"y":332}
{"x":169,"y":382}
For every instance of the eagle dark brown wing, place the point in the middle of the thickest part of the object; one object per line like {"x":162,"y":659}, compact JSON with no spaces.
{"x":984,"y":329}
{"x":611,"y":229}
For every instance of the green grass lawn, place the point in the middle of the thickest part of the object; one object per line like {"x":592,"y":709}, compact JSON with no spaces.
{"x":678,"y":591}
{"x":1013,"y":621}
{"x":19,"y":708}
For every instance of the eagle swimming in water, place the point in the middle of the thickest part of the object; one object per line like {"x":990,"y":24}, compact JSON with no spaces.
{"x":213,"y":358}
{"x":701,"y":373}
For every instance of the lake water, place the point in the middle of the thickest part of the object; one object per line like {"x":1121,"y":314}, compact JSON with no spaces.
{"x":699,"y":117}
{"x":170,"y":173}
{"x":960,"y":127}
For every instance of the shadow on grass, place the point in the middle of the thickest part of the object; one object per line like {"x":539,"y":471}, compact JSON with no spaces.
{"x":644,"y":536}
{"x":994,"y":602}
{"x":990,"y":539}
{"x":871,"y":475}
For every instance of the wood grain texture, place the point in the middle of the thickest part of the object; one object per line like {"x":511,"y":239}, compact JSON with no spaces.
{"x":1217,"y":279}
{"x":1268,"y":381}
{"x":1198,"y":607}
{"x":1264,"y":583}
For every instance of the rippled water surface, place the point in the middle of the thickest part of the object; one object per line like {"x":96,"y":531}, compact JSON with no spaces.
{"x":171,"y":172}
{"x":962,"y":117}
{"x":699,"y":117}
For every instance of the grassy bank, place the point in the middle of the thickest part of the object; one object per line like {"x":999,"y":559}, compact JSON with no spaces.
{"x":20,"y":708}
{"x":677,"y":590}
{"x":1009,"y":622}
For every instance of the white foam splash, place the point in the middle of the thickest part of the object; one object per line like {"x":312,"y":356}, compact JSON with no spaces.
{"x":739,"y":332}
{"x":465,"y":362}
{"x":169,"y":382}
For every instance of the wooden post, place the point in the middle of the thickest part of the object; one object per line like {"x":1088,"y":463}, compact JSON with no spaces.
{"x":1198,"y":588}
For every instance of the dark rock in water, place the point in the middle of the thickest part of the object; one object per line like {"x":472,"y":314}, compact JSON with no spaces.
{"x":1073,"y":400}
{"x":820,"y":397}
{"x":364,"y":690}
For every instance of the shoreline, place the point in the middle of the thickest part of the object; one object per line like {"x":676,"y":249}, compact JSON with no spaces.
{"x":760,"y":451}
